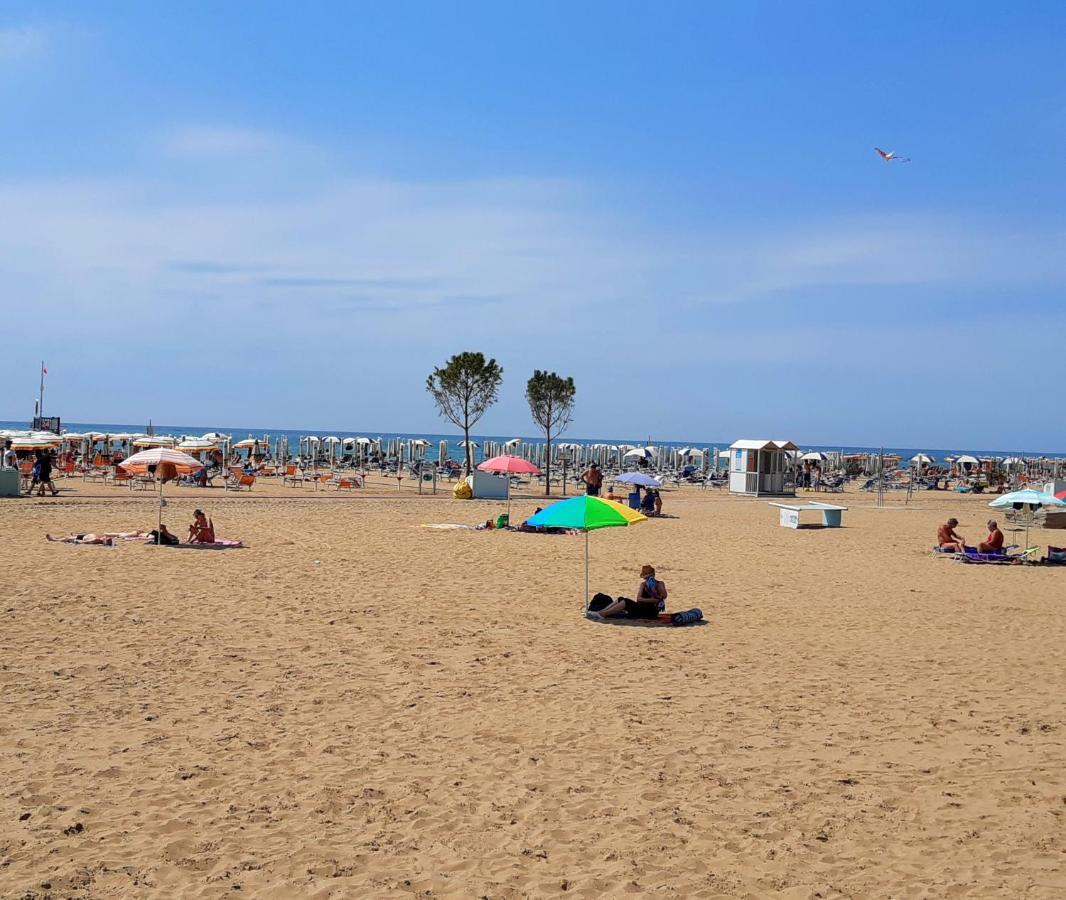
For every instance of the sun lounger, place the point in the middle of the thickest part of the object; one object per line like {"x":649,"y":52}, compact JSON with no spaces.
{"x":237,"y":482}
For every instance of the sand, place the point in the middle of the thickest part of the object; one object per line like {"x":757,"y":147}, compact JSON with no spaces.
{"x":355,"y":706}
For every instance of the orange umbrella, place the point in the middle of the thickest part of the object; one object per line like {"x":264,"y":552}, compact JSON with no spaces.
{"x":164,"y":459}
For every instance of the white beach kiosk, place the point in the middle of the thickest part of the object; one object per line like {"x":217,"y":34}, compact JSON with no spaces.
{"x":762,"y":468}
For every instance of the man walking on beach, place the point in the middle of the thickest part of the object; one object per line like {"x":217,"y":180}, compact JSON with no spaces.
{"x":593,"y":478}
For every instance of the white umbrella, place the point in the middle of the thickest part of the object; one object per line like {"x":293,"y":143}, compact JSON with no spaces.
{"x":214,"y":436}
{"x":638,"y":453}
{"x":196,"y":444}
{"x":363,"y":441}
{"x":921,"y":458}
{"x":158,"y":441}
{"x":814,"y":456}
{"x":473,"y":444}
{"x":513,"y":442}
{"x":968,"y":460}
{"x":246,"y":444}
{"x":332,"y":439}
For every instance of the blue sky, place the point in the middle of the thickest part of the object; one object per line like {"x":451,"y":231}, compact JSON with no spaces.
{"x":284,"y":216}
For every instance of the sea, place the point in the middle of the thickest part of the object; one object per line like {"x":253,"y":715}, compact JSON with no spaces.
{"x":455,"y":451}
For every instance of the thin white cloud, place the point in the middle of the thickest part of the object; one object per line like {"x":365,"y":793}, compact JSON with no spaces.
{"x":22,"y":42}
{"x":222,"y":143}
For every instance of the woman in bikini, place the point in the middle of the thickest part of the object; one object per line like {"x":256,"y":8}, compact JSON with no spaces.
{"x":202,"y":530}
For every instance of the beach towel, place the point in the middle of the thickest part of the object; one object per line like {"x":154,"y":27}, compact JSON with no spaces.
{"x":221,"y":544}
{"x":663,"y":620}
{"x":1000,"y":559}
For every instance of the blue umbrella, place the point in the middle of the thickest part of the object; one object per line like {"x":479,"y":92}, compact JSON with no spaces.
{"x":1028,"y":496}
{"x":639,"y":478}
{"x":1029,"y":500}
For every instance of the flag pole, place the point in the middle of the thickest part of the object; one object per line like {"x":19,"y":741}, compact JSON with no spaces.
{"x":40,"y":397}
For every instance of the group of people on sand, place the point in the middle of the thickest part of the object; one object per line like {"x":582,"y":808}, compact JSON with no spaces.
{"x":650,"y":505}
{"x":950,"y":541}
{"x":201,"y":531}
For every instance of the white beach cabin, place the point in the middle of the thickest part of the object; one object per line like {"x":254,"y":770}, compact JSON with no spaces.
{"x":762,"y":468}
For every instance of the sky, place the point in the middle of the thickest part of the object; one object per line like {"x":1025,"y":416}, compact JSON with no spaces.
{"x":284,"y":215}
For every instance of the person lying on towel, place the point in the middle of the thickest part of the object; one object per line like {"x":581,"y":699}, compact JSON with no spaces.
{"x":994,"y":542}
{"x":651,"y":599}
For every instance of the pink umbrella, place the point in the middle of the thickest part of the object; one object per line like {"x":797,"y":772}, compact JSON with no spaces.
{"x":138,"y":465}
{"x":509,"y":465}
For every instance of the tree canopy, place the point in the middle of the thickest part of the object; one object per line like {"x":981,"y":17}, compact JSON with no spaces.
{"x":463,"y":389}
{"x":551,"y":403}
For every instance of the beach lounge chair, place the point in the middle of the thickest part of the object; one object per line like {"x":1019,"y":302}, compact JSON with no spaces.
{"x":237,"y":482}
{"x":120,"y":477}
{"x":142,"y":483}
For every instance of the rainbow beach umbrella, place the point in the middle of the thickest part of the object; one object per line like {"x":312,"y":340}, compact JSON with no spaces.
{"x":586,"y":514}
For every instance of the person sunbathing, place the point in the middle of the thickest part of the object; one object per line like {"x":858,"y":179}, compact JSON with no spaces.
{"x":948,"y":540}
{"x":202,"y":530}
{"x":87,"y":538}
{"x":994,"y":542}
{"x":651,"y":599}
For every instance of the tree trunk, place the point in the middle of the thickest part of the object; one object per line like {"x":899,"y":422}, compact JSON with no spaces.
{"x":466,"y":438}
{"x":548,"y":463}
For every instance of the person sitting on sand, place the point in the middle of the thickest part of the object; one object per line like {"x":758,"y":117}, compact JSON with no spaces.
{"x":202,"y":530}
{"x":948,"y":540}
{"x":611,"y":495}
{"x":651,"y":599}
{"x":164,"y":537}
{"x":994,"y":542}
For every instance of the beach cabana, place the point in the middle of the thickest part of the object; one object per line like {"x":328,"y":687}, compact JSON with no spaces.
{"x":760,"y":468}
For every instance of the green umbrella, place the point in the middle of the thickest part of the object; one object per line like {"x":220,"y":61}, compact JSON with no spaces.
{"x":586,"y":514}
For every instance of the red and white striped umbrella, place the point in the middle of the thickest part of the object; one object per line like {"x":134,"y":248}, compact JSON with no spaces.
{"x":138,"y":463}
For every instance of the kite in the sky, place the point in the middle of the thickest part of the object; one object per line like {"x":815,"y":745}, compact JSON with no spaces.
{"x":890,"y":156}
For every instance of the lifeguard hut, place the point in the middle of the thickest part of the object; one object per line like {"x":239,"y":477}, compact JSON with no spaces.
{"x":762,"y":468}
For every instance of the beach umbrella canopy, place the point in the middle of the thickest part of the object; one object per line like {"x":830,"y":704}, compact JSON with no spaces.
{"x":639,"y":478}
{"x":246,"y":444}
{"x":509,"y":464}
{"x":32,"y":442}
{"x":363,"y":441}
{"x":473,"y":444}
{"x":966,"y":459}
{"x":814,"y":456}
{"x":586,"y":514}
{"x":196,"y":444}
{"x":159,"y":441}
{"x":639,"y":453}
{"x":1028,"y":497}
{"x":513,"y":442}
{"x":138,"y":463}
{"x":921,"y":459}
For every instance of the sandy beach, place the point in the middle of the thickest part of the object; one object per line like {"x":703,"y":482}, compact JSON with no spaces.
{"x":357,"y":706}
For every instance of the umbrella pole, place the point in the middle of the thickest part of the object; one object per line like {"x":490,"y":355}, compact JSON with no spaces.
{"x":159,"y":518}
{"x":586,"y":569}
